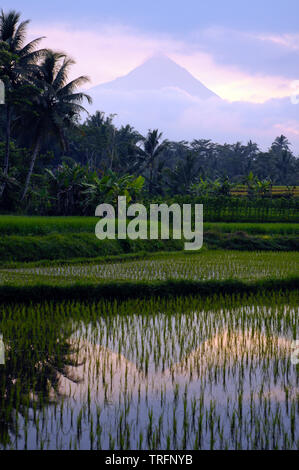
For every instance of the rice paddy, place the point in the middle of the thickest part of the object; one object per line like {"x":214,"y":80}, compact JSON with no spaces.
{"x":169,"y":350}
{"x":202,"y":266}
{"x":179,"y":373}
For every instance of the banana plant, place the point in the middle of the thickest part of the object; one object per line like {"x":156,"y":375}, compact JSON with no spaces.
{"x":66,"y":185}
{"x":262,"y":187}
{"x":110,"y":186}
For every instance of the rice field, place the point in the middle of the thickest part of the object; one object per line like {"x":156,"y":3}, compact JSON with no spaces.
{"x":202,"y":266}
{"x":205,"y":371}
{"x":180,"y":373}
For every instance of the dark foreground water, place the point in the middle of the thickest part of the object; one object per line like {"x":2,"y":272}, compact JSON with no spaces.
{"x":176,"y":374}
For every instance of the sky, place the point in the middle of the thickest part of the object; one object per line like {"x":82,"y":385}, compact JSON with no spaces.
{"x":245,"y":51}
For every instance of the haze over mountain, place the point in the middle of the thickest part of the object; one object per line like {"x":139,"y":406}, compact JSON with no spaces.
{"x":157,"y":73}
{"x":161,"y":94}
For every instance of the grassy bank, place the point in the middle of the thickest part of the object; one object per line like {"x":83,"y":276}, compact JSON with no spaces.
{"x":68,"y":246}
{"x":40,"y":225}
{"x":48,"y":239}
{"x":73,"y":245}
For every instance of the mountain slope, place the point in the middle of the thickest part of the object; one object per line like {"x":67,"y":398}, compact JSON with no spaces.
{"x":157,"y":73}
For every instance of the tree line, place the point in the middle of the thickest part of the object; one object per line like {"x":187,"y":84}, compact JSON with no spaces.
{"x":57,"y":158}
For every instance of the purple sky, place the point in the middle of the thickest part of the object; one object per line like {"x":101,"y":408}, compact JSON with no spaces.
{"x":243,"y":51}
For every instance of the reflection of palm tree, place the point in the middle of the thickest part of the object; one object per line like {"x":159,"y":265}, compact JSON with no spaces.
{"x":32,"y":370}
{"x":2,"y":355}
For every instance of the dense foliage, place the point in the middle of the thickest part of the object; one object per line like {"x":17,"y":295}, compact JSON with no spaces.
{"x":58,"y":159}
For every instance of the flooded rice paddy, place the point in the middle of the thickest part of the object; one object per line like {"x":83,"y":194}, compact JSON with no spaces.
{"x":215,"y":265}
{"x":182,"y":373}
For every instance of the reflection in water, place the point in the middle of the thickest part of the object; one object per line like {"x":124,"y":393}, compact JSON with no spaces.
{"x":2,"y":351}
{"x":175,"y":378}
{"x":30,"y":374}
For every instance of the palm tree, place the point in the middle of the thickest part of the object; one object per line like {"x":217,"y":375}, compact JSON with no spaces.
{"x":16,"y":62}
{"x":284,"y":158}
{"x":280,"y":143}
{"x":128,"y":150}
{"x":183,"y":174}
{"x":56,"y":107}
{"x":152,"y":150}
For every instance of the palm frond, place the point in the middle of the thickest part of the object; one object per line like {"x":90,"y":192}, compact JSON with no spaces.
{"x":30,"y":47}
{"x":62,"y":73}
{"x":71,"y":86}
{"x":20,"y":35}
{"x":8,"y":24}
{"x":77,"y":97}
{"x":50,"y":65}
{"x":74,"y":108}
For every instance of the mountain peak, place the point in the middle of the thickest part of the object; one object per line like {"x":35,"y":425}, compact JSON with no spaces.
{"x":157,"y":73}
{"x":159,"y":58}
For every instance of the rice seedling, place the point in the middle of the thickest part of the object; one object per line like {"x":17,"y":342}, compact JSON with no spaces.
{"x":179,"y":373}
{"x":207,"y":265}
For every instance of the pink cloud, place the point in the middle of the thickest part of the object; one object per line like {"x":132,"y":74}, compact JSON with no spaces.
{"x":114,"y":50}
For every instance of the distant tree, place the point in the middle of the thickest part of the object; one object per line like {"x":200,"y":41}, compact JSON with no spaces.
{"x":152,"y":151}
{"x":127,"y":148}
{"x":206,"y":153}
{"x":283,"y":159}
{"x":180,"y":178}
{"x":93,"y":142}
{"x":280,"y":143}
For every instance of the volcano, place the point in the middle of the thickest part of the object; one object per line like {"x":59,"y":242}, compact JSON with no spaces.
{"x":157,"y":73}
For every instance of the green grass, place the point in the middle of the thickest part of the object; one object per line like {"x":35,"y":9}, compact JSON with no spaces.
{"x":253,"y":228}
{"x":72,"y":245}
{"x":242,"y":241}
{"x":41,"y":225}
{"x":33,"y":239}
{"x":68,"y":246}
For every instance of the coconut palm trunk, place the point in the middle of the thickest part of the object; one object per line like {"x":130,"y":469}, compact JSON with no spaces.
{"x":151,"y":154}
{"x":151,"y":178}
{"x":7,"y":147}
{"x":55,"y":108}
{"x":15,"y":68}
{"x":31,"y":167}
